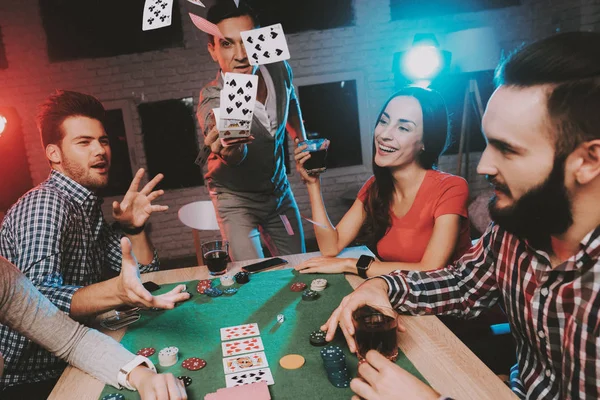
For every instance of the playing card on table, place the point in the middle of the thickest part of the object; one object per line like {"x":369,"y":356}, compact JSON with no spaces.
{"x":245,"y":362}
{"x":247,"y":345}
{"x":239,"y":331}
{"x":266,"y":45}
{"x":238,"y":96}
{"x":249,"y":377}
{"x":157,"y":14}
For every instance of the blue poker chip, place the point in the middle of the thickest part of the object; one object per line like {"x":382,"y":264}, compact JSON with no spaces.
{"x":213,"y":292}
{"x":230,"y":291}
{"x":113,"y":396}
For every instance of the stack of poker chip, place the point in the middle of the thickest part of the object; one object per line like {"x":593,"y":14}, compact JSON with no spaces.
{"x":242,"y":277}
{"x":334,"y":362}
{"x":298,"y":286}
{"x":168,"y":356}
{"x":227,"y":280}
{"x":318,"y":285}
{"x":203,"y":285}
{"x":317,"y":338}
{"x":309,"y":295}
{"x":213,"y":292}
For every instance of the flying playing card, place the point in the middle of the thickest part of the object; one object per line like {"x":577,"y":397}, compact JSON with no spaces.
{"x":266,"y":45}
{"x":206,"y":26}
{"x":243,"y":346}
{"x":245,"y":378}
{"x":157,"y":14}
{"x":245,"y":362}
{"x":239,"y":331}
{"x":238,"y":96}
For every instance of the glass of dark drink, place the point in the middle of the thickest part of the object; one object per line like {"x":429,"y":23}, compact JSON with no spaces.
{"x":216,"y":255}
{"x":316,"y":164}
{"x":375,"y":328}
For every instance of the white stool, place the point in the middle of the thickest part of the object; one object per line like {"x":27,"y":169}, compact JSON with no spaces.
{"x":200,"y":216}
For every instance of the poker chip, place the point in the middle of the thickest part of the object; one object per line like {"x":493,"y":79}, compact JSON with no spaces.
{"x":317,"y":338}
{"x":230,"y":291}
{"x":309,"y":295}
{"x":318,"y":285}
{"x":187,"y":381}
{"x":213,"y":292}
{"x":242,"y":277}
{"x":146,"y":351}
{"x":227,"y":280}
{"x":113,"y":396}
{"x":203,"y":285}
{"x":334,"y":362}
{"x":168,"y":356}
{"x":193,"y":363}
{"x":292,"y":361}
{"x":298,"y":286}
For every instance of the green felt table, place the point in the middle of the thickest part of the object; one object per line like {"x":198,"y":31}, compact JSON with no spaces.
{"x":194,"y":327}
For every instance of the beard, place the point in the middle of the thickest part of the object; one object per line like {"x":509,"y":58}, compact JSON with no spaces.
{"x":85,"y":176}
{"x":541,"y":212}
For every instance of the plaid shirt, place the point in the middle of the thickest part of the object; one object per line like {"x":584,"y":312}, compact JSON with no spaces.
{"x":554,"y":313}
{"x":57,"y":236}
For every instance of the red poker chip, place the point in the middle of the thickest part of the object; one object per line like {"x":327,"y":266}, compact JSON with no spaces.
{"x":298,"y":286}
{"x":146,"y":351}
{"x":203,"y":285}
{"x":193,"y":363}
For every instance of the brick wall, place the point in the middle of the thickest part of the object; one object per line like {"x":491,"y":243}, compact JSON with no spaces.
{"x":367,"y":47}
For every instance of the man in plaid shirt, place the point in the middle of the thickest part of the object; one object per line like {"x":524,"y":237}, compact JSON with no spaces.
{"x":541,"y":256}
{"x":57,"y":236}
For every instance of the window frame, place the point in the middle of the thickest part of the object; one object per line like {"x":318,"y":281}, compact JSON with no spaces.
{"x":363,"y":123}
{"x":125,"y":107}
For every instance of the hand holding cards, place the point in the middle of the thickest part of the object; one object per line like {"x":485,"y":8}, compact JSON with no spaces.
{"x":234,"y":117}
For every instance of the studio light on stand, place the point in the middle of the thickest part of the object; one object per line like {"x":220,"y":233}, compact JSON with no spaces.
{"x":473,"y":50}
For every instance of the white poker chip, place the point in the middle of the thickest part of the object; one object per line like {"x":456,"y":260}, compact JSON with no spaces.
{"x":168,"y":356}
{"x":227,"y":280}
{"x":318,"y":285}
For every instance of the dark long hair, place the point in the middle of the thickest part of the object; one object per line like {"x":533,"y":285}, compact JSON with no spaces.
{"x":435,"y":141}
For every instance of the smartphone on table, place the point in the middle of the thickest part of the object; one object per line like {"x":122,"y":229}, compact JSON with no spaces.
{"x":263,"y":265}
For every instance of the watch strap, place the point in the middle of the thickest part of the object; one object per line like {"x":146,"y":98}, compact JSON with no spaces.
{"x":127,"y":368}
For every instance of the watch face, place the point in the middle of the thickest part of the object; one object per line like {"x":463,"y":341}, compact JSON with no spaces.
{"x":364,"y":261}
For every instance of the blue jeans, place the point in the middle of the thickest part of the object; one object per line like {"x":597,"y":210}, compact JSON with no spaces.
{"x":243,"y":217}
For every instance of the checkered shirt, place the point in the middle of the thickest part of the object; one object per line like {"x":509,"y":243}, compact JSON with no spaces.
{"x":554,"y":313}
{"x":57,"y":236}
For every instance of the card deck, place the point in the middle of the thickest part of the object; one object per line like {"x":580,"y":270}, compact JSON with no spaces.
{"x":245,"y":362}
{"x":239,"y":331}
{"x":243,"y":346}
{"x":238,"y":96}
{"x":157,"y":14}
{"x":231,"y":128}
{"x":266,"y":45}
{"x":249,"y":377}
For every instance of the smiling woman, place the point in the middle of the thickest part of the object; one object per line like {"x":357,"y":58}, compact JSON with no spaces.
{"x":413,"y":215}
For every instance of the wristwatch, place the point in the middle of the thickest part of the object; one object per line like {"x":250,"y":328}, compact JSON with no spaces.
{"x":123,"y":375}
{"x":363,"y":264}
